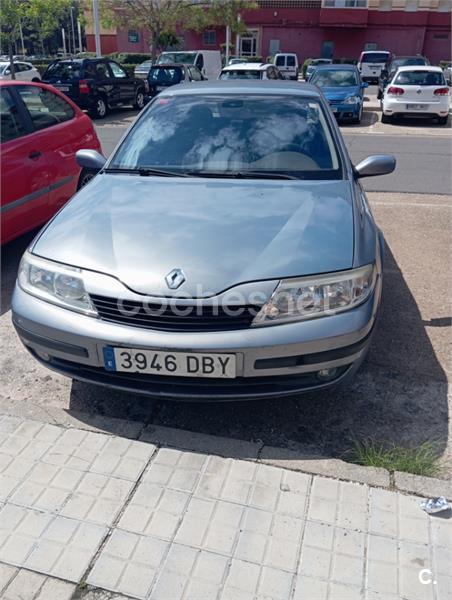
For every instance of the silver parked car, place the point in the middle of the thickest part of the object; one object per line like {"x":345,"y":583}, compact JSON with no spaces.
{"x":226,"y":250}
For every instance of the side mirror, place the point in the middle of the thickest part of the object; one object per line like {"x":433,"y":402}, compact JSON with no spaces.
{"x":378,"y":164}
{"x":364,"y":84}
{"x":90,"y":159}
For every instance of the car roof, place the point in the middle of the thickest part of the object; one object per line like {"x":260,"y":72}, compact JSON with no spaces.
{"x":171,"y":65}
{"x":344,"y":67}
{"x":420,"y":68}
{"x":248,"y":67}
{"x":15,"y":61}
{"x":240,"y":86}
{"x":376,"y":52}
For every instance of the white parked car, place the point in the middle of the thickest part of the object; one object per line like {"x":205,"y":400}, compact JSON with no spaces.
{"x":207,"y":61}
{"x":24,"y":71}
{"x":250,"y":71}
{"x":371,"y":63}
{"x":420,"y":91}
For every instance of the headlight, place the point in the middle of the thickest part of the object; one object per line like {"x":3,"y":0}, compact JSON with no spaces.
{"x":321,"y":296}
{"x":55,"y":283}
{"x":352,"y":100}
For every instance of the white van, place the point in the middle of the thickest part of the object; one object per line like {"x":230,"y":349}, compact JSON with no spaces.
{"x":287,"y":63}
{"x":371,"y":63}
{"x":207,"y":61}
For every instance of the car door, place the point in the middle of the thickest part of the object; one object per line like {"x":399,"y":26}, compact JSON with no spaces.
{"x":24,"y":169}
{"x":55,"y":135}
{"x":124,"y":83}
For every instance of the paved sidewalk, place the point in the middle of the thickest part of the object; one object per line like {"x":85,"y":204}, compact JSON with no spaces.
{"x":95,"y":516}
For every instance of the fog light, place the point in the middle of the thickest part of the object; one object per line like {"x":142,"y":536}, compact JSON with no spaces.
{"x":327,"y":374}
{"x":43,"y":355}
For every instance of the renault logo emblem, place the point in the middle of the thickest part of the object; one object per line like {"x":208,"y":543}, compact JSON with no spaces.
{"x":175,"y":278}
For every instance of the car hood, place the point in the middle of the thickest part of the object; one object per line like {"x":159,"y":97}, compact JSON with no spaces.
{"x":221,"y":232}
{"x":340,"y":93}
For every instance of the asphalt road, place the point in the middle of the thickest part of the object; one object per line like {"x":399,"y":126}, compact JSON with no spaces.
{"x":423,"y":150}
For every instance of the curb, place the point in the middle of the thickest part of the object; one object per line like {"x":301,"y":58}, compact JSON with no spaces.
{"x":406,"y":483}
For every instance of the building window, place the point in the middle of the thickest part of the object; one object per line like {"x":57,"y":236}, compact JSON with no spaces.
{"x":133,"y":36}
{"x":369,"y":46}
{"x":209,"y":38}
{"x":444,"y":6}
{"x":385,"y":5}
{"x":410,"y":5}
{"x":345,"y":3}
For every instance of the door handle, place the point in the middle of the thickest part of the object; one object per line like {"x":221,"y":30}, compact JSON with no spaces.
{"x":34,"y":155}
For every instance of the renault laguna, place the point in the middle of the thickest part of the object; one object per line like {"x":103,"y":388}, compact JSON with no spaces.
{"x":226,"y":250}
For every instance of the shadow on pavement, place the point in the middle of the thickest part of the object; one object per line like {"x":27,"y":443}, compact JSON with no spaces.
{"x":398,"y":396}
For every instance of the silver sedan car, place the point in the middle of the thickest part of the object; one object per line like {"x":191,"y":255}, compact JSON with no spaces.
{"x":226,"y":250}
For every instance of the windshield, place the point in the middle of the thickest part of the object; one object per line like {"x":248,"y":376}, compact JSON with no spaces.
{"x":334,"y":78}
{"x":63,"y":70}
{"x":177,"y":57}
{"x":165,"y":75}
{"x":420,"y":78}
{"x":228,"y":134}
{"x":407,"y":62}
{"x":240,"y":74}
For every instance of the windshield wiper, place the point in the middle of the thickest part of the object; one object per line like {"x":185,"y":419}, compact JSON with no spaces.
{"x":145,"y":171}
{"x":242,"y":174}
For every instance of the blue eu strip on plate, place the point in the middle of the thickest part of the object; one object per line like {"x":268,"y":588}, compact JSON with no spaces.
{"x":109,"y":359}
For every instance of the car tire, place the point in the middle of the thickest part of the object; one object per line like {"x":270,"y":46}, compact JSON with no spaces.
{"x":140,"y":100}
{"x":385,"y":118}
{"x":100,"y":108}
{"x":379,"y":95}
{"x":85,"y":177}
{"x":357,"y":120}
{"x":443,"y":120}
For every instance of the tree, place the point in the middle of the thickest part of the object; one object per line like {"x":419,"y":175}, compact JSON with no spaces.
{"x":226,"y":13}
{"x":160,"y":17}
{"x":42,"y":14}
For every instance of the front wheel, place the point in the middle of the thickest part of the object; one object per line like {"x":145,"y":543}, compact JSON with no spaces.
{"x":85,"y":177}
{"x":357,"y":120}
{"x":443,"y":120}
{"x":139,"y":100}
{"x":100,"y":108}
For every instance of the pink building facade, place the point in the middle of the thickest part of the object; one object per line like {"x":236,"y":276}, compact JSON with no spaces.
{"x":314,"y":28}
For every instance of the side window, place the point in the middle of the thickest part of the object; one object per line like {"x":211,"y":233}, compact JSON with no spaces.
{"x":45,"y":107}
{"x":11,"y":123}
{"x":199,"y":62}
{"x":291,"y":61}
{"x":100,"y":70}
{"x":117,"y":71}
{"x":280,"y":62}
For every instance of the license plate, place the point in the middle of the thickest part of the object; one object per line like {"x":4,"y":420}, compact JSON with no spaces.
{"x":63,"y":88}
{"x":415,"y":106}
{"x":177,"y":364}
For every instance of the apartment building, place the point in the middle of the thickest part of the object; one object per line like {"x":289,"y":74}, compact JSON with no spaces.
{"x":327,"y":28}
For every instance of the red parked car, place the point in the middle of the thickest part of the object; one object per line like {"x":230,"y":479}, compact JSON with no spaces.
{"x":41,"y":130}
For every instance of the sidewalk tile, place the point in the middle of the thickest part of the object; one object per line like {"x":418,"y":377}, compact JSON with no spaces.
{"x":175,"y":469}
{"x":308,"y":588}
{"x":7,"y":572}
{"x":128,"y":563}
{"x":25,"y":586}
{"x":275,"y":584}
{"x":154,"y":510}
{"x":97,"y":498}
{"x":55,"y":589}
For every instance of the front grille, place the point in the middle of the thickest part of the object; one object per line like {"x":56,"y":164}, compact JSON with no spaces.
{"x":335,"y":101}
{"x":168,"y":317}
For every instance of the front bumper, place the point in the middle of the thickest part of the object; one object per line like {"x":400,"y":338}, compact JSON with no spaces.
{"x":272,"y":361}
{"x":345,"y":111}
